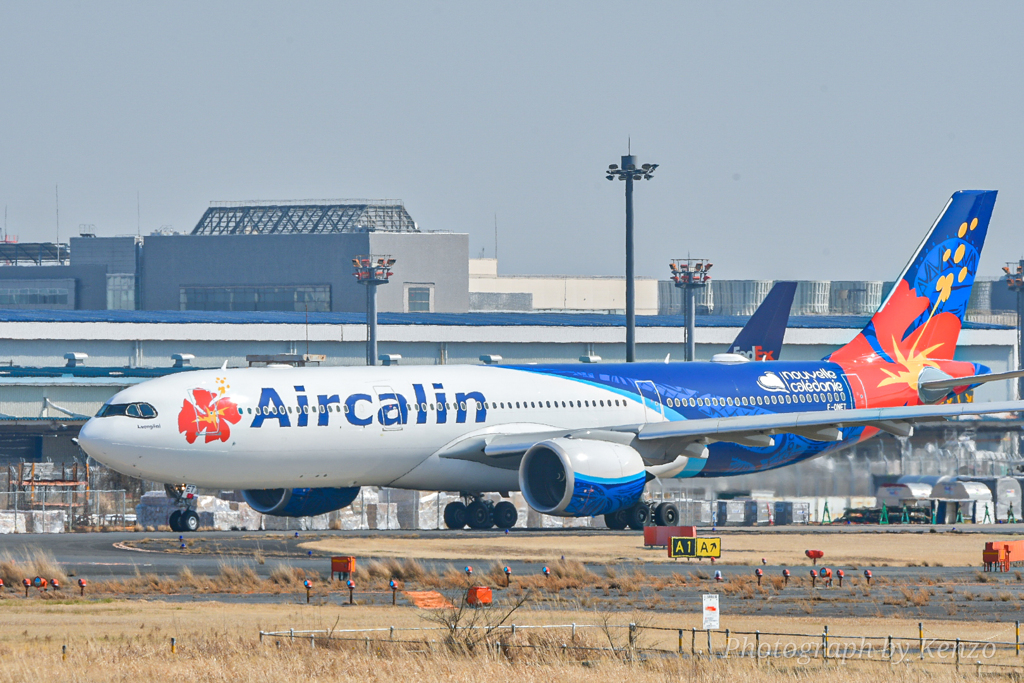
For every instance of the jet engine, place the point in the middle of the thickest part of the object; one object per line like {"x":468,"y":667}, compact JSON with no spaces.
{"x":581,"y":477}
{"x":299,"y":502}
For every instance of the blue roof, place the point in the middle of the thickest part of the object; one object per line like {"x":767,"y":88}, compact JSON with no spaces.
{"x":467,"y":319}
{"x":81,"y":372}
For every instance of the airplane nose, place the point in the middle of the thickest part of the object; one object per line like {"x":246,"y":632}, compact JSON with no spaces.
{"x":89,"y":439}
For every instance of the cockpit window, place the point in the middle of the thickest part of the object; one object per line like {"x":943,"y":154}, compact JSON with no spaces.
{"x":141,"y":411}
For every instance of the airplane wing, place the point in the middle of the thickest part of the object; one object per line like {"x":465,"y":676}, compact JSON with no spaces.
{"x":821,"y":425}
{"x":663,"y":442}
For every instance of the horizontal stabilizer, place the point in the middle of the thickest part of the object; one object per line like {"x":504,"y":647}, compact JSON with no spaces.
{"x":955,"y":382}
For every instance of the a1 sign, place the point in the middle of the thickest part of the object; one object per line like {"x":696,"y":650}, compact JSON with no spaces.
{"x":711,"y":613}
{"x":688,"y":546}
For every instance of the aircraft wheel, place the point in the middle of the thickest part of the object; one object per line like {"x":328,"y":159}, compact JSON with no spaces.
{"x":175,"y":521}
{"x":617,"y":520}
{"x":189,"y":521}
{"x":478,"y":515}
{"x":666,"y":514}
{"x":638,"y":516}
{"x":505,"y":515}
{"x":455,"y":515}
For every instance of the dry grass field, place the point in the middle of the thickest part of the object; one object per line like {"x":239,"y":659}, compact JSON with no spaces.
{"x":130,"y":641}
{"x":877,"y":549}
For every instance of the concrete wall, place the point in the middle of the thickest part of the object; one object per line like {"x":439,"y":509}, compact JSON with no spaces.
{"x":430,"y":258}
{"x":116,"y":254}
{"x":90,"y":281}
{"x":170,"y":262}
{"x":174,"y":261}
{"x":563,"y":292}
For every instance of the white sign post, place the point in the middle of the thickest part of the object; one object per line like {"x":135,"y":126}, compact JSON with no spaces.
{"x":711,"y":613}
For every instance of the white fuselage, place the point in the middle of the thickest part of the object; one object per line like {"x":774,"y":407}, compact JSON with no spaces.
{"x":345,"y":426}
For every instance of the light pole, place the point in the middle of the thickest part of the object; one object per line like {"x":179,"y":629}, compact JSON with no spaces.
{"x":629,"y":172}
{"x":1015,"y":281}
{"x":690,"y":275}
{"x":372,"y":270}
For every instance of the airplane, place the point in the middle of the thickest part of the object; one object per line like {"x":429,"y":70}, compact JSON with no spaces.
{"x":577,"y":440}
{"x":761,"y":338}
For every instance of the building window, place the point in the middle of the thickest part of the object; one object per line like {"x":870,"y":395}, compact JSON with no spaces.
{"x":316,"y":298}
{"x":34,"y":297}
{"x":121,"y":292}
{"x":418,"y":298}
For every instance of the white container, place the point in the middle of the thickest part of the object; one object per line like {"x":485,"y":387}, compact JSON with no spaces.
{"x":812,"y":297}
{"x":854,"y":297}
{"x":738,"y":297}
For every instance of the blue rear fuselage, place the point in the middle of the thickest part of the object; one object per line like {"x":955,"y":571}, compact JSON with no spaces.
{"x":702,"y":390}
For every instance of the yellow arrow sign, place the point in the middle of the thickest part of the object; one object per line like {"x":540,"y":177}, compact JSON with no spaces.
{"x":688,"y":546}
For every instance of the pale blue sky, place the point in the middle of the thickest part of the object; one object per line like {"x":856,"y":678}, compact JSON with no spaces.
{"x":796,"y":140}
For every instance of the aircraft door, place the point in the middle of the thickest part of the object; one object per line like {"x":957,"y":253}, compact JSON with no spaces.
{"x":860,"y":397}
{"x":392,"y":412}
{"x":652,"y":399}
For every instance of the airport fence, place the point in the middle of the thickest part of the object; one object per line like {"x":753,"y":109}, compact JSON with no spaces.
{"x":47,"y":510}
{"x":634,"y":642}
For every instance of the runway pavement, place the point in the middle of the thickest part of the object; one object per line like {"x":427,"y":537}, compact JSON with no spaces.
{"x":111,"y":555}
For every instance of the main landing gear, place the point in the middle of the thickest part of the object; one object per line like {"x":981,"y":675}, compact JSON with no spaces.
{"x":187,"y":519}
{"x":641,"y":515}
{"x":480,"y":514}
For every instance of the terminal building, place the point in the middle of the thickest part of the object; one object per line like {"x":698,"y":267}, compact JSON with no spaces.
{"x":247,"y":257}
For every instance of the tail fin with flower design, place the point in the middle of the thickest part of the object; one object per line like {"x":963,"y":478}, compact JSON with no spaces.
{"x":918,"y":323}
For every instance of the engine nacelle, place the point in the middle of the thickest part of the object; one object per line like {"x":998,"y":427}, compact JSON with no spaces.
{"x":581,"y":477}
{"x":299,"y":502}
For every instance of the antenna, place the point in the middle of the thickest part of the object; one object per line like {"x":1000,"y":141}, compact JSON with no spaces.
{"x":495,"y":237}
{"x":138,"y":214}
{"x":629,"y":146}
{"x":56,"y":203}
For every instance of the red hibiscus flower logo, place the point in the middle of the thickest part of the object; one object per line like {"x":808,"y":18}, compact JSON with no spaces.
{"x":208,"y":414}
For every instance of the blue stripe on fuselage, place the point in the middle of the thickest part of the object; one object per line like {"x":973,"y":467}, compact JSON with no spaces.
{"x":714,"y":384}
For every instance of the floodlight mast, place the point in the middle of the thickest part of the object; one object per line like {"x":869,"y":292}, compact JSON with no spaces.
{"x":629,"y":172}
{"x":372,"y":270}
{"x":689,"y":275}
